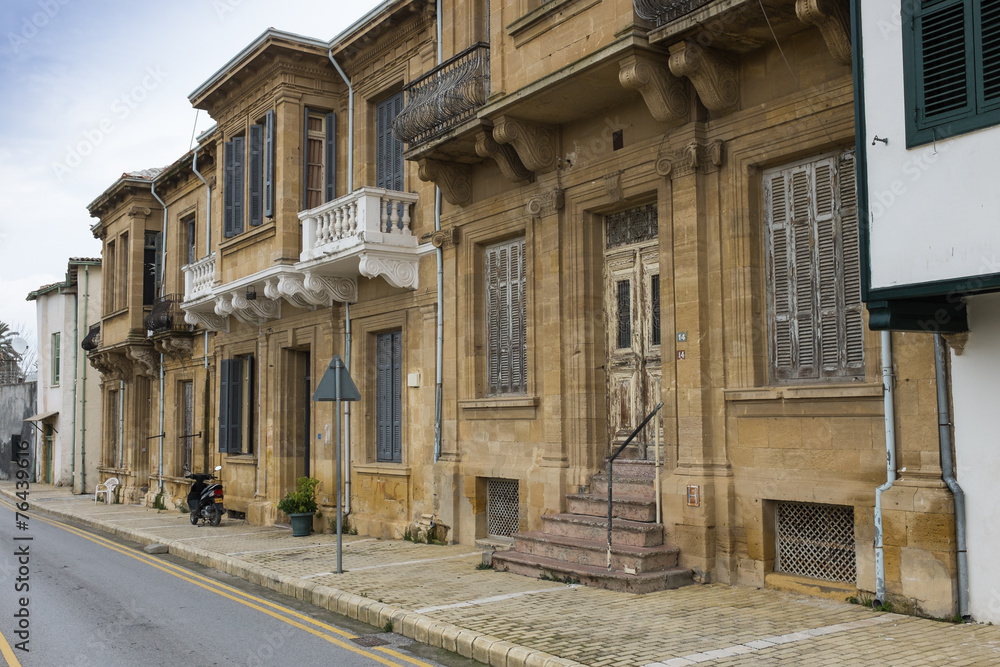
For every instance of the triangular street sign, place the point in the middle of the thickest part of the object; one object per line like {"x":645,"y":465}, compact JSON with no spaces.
{"x":330,"y":390}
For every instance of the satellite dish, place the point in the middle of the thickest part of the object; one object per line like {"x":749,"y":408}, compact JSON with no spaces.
{"x":19,"y":344}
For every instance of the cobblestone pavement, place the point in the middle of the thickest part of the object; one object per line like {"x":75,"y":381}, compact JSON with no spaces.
{"x":435,"y":594}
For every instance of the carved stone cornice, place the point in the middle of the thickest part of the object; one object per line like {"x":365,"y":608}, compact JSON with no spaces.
{"x":454,"y":179}
{"x":147,"y":358}
{"x":311,"y":290}
{"x":546,"y":203}
{"x":613,"y":186}
{"x":693,"y":158}
{"x":665,"y":95}
{"x":249,"y":311}
{"x":139,"y":211}
{"x":832,"y":17}
{"x":397,"y":272}
{"x":505,"y":156}
{"x":210,"y":321}
{"x":535,"y":143}
{"x":176,"y":347}
{"x":713,"y":74}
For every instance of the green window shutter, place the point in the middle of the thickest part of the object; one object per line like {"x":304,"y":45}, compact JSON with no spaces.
{"x":256,"y":168}
{"x":944,"y":85}
{"x":269,"y":164}
{"x":988,"y":52}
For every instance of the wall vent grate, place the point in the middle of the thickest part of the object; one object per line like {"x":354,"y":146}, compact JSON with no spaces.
{"x":816,"y":541}
{"x":502,"y":515}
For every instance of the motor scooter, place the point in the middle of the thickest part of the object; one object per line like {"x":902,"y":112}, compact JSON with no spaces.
{"x":205,"y":500}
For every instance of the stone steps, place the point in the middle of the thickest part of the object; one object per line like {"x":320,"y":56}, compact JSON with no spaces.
{"x":624,"y":558}
{"x":590,"y":575}
{"x":623,"y":531}
{"x":634,"y":508}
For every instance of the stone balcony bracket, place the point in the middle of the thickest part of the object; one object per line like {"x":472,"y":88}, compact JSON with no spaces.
{"x":665,"y":95}
{"x":832,"y":17}
{"x":712,"y":72}
{"x":454,"y":179}
{"x":505,"y":156}
{"x":535,"y":143}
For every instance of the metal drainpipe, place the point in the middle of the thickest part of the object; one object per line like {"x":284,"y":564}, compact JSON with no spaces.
{"x":208,"y":204}
{"x":439,"y":256}
{"x":163,"y":266}
{"x":948,"y":470}
{"x":347,"y":415}
{"x":121,"y":424}
{"x":890,"y":463}
{"x":83,"y":389}
{"x":76,"y":377}
{"x":350,"y":122}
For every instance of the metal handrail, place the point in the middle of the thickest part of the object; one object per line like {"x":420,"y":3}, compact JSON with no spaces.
{"x":611,"y":463}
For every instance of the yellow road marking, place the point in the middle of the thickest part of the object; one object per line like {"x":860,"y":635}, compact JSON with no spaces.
{"x":8,"y":652}
{"x":220,"y":589}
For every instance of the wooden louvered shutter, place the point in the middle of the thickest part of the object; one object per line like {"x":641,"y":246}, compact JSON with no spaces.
{"x":305,"y":157}
{"x":224,"y":389}
{"x":493,"y":319}
{"x":397,"y":404}
{"x":158,"y":264}
{"x":988,"y":53}
{"x":227,"y":193}
{"x":506,"y":311}
{"x":389,"y":167}
{"x":388,"y":403}
{"x":256,"y":168}
{"x":803,"y":230}
{"x":779,"y":275}
{"x":269,"y":164}
{"x":239,"y":178}
{"x":828,"y":269}
{"x":944,"y":51}
{"x":854,"y":330}
{"x":330,"y":155}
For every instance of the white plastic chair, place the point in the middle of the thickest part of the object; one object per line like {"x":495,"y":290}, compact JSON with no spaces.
{"x":107,"y":487}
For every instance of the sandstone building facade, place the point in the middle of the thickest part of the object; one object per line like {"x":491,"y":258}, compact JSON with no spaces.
{"x":525,"y":225}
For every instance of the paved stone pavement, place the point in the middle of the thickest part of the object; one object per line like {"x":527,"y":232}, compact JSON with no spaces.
{"x":436,"y":595}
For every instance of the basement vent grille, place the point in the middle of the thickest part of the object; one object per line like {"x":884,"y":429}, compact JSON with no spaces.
{"x":816,"y":541}
{"x":501,"y":507}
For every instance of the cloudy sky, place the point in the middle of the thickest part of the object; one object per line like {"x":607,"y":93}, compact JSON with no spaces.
{"x":94,"y":88}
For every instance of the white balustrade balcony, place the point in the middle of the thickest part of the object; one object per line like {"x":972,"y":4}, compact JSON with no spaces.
{"x":199,"y":277}
{"x":366,"y":216}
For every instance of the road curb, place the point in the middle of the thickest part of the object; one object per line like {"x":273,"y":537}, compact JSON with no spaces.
{"x":456,"y":639}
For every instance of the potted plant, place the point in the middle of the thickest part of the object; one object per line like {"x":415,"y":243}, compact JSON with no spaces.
{"x":300,"y":505}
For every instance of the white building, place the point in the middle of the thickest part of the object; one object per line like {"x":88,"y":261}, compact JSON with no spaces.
{"x":927,"y":79}
{"x":67,"y":433}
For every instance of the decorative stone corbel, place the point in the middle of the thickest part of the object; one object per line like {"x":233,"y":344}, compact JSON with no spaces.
{"x":505,"y":156}
{"x":139,"y":211}
{"x":546,"y":203}
{"x":445,"y":236}
{"x":177,"y":347}
{"x":613,"y":186}
{"x":147,"y":358}
{"x":112,"y":365}
{"x":454,"y":179}
{"x":209,"y":321}
{"x":957,"y":341}
{"x":665,"y":95}
{"x":255,"y":311}
{"x":832,"y":17}
{"x":535,"y":143}
{"x":713,"y":74}
{"x":332,"y":288}
{"x":397,"y":272}
{"x":695,"y":157}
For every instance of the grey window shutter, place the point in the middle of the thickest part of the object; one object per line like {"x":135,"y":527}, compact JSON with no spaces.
{"x":397,"y":402}
{"x":779,"y":269}
{"x":506,"y":318}
{"x":854,"y":329}
{"x":828,"y":273}
{"x":269,"y":164}
{"x":224,"y":402}
{"x":158,"y":263}
{"x":493,"y":319}
{"x":389,"y":151}
{"x":256,"y":169}
{"x":235,"y":405}
{"x":803,"y":284}
{"x":305,"y":157}
{"x":396,"y":145}
{"x":246,"y":403}
{"x":227,"y":194}
{"x":239,"y":178}
{"x":330,"y":155}
{"x":383,"y":399}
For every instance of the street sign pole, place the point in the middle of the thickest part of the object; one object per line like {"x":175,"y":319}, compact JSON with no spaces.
{"x":337,"y":385}
{"x":340,"y":513}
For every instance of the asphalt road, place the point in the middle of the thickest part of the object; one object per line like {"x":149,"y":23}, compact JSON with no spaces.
{"x":80,"y":598}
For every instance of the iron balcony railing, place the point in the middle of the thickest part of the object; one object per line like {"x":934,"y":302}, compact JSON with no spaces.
{"x":92,"y":340}
{"x":445,"y":97}
{"x":166,"y":315}
{"x":662,"y":12}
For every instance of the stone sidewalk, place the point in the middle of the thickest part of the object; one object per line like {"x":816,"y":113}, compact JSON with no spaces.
{"x":435,"y":594}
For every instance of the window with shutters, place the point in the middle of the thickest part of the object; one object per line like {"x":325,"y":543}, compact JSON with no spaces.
{"x":56,"y":358}
{"x":152,"y":266}
{"x":388,"y":397}
{"x":190,"y":239}
{"x":108,"y":272}
{"x":389,"y":151}
{"x":121,"y":286}
{"x":951,"y":59}
{"x":236,"y":405}
{"x":507,"y":352}
{"x":815,"y":321}
{"x":320,"y":164}
{"x":248,"y":190}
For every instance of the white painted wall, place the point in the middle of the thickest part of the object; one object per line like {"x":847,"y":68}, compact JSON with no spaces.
{"x":935,"y":210}
{"x":52,"y":317}
{"x":975,"y":377}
